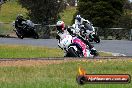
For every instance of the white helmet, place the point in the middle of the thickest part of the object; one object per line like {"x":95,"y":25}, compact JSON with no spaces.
{"x":60,"y":25}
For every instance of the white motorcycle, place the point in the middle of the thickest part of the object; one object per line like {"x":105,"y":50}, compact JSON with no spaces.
{"x":90,"y":32}
{"x":87,"y":31}
{"x":72,"y":47}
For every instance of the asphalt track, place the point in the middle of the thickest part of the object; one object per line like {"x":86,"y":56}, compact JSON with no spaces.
{"x":114,"y":46}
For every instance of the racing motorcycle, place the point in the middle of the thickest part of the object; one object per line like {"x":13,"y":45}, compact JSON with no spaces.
{"x":89,"y":34}
{"x":27,"y":31}
{"x":87,"y":31}
{"x":73,"y":46}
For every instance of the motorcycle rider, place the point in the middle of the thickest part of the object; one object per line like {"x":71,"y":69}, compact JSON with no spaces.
{"x":19,"y":22}
{"x":79,"y":25}
{"x":62,"y":31}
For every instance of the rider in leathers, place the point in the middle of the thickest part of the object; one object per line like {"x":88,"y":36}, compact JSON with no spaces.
{"x":79,"y":25}
{"x":18,"y":22}
{"x":62,"y":30}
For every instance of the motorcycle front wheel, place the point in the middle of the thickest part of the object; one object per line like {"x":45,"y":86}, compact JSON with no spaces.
{"x":19,"y":35}
{"x":96,"y":38}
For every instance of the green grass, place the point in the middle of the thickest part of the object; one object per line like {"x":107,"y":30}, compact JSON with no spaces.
{"x":105,"y":54}
{"x":10,"y":10}
{"x":8,"y":13}
{"x":19,"y":51}
{"x":67,"y":15}
{"x":23,"y":51}
{"x":62,"y":75}
{"x":6,"y":29}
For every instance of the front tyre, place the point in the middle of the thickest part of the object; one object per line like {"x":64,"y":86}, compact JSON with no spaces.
{"x":94,"y":52}
{"x":19,"y":35}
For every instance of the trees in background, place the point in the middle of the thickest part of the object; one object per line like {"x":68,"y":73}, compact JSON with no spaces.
{"x":125,"y":20}
{"x":107,"y":13}
{"x":103,"y":13}
{"x":42,"y":10}
{"x":2,"y":2}
{"x":128,"y":5}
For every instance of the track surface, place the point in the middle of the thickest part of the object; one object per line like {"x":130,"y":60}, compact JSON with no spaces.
{"x":115,"y":46}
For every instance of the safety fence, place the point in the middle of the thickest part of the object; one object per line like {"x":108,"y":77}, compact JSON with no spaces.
{"x":114,"y":33}
{"x":49,"y":31}
{"x":6,"y":29}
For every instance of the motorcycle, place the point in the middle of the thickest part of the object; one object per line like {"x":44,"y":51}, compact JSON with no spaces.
{"x":27,"y":31}
{"x":88,"y":32}
{"x":73,"y":46}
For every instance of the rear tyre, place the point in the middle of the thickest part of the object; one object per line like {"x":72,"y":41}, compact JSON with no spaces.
{"x":36,"y":36}
{"x":72,"y":52}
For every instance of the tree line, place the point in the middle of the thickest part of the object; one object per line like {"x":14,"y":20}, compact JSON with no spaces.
{"x":102,"y":13}
{"x":106,"y":13}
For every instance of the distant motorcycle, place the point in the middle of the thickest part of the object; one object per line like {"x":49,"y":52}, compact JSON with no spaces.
{"x":89,"y":34}
{"x":28,"y":30}
{"x":87,"y":31}
{"x":73,"y":46}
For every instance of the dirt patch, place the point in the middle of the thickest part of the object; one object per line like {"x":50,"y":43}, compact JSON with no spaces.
{"x":34,"y":62}
{"x":7,"y":36}
{"x":30,"y":62}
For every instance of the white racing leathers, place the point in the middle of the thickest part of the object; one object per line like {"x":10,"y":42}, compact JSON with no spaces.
{"x":66,"y":40}
{"x":78,"y":25}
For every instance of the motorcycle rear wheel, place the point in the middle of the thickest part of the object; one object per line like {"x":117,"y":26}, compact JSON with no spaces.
{"x":72,"y":52}
{"x":36,"y":36}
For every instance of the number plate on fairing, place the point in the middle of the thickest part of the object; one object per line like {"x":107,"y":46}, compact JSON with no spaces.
{"x":66,"y":41}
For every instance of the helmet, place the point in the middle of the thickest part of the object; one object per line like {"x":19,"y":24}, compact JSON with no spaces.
{"x":19,"y":16}
{"x":60,"y":25}
{"x":78,"y":17}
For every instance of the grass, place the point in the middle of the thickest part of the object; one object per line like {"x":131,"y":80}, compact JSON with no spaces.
{"x":105,"y":54}
{"x":8,"y":13}
{"x":10,"y":10}
{"x":21,"y":51}
{"x":6,"y":29}
{"x":67,"y":15}
{"x":62,"y":75}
